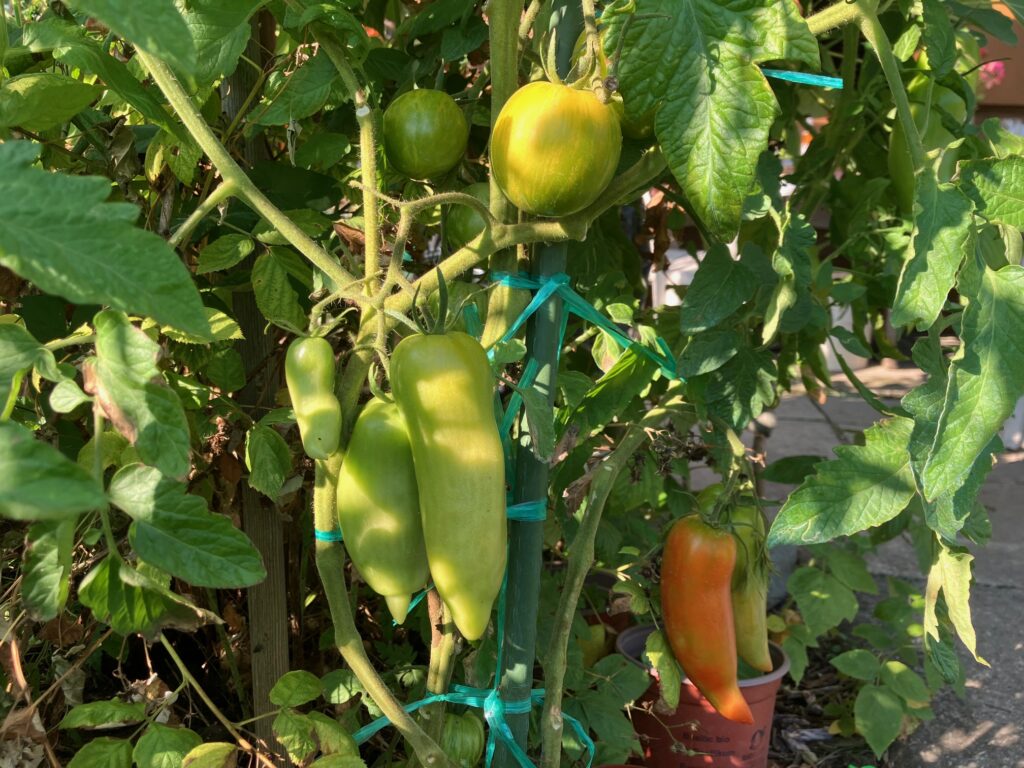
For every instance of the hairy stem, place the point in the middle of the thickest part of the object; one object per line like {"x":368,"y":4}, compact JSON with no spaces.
{"x":221,"y":193}
{"x":837,"y":15}
{"x":581,"y":557}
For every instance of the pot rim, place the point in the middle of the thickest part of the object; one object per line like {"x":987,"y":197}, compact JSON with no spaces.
{"x":769,"y":677}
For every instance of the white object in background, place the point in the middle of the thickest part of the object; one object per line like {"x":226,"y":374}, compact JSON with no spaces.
{"x":843,"y":317}
{"x":680,"y":271}
{"x":1012,"y":433}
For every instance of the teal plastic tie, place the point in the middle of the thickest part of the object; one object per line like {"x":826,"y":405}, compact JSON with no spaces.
{"x":529,"y":511}
{"x":471,"y":316}
{"x":805,"y":78}
{"x":332,"y":536}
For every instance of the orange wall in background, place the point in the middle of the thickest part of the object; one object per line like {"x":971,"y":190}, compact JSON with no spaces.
{"x":1009,"y":92}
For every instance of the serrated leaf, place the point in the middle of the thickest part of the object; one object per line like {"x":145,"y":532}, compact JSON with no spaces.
{"x":741,"y":389}
{"x":540,"y":417}
{"x":275,"y":297}
{"x":943,"y":235}
{"x":164,"y":747}
{"x":268,"y":460}
{"x":638,"y":601}
{"x":297,"y":94}
{"x":878,"y":714}
{"x":850,"y":568}
{"x":220,"y":32}
{"x":19,"y":351}
{"x":99,"y":713}
{"x":708,"y":352}
{"x":130,"y":603}
{"x":863,"y":487}
{"x":322,"y":150}
{"x":720,"y":286}
{"x":174,"y":531}
{"x":104,"y":752}
{"x":226,"y":370}
{"x":660,"y":655}
{"x":339,"y":761}
{"x":67,"y":396}
{"x":951,"y":574}
{"x":57,"y":231}
{"x":37,"y":482}
{"x":312,"y":223}
{"x":695,"y":61}
{"x":823,"y":601}
{"x":296,"y":733}
{"x":792,"y":263}
{"x":180,"y":155}
{"x":791,"y":470}
{"x":997,"y":188}
{"x":295,"y":688}
{"x":222,"y":328}
{"x":135,"y":397}
{"x":333,"y":738}
{"x":46,"y":570}
{"x":858,"y":663}
{"x":39,"y":101}
{"x":155,"y":27}
{"x":215,"y":754}
{"x":986,"y":376}
{"x":340,"y":685}
{"x":224,"y":253}
{"x":613,"y":392}
{"x":939,"y":38}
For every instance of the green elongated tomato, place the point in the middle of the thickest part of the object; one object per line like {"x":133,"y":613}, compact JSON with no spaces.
{"x":750,"y":588}
{"x":378,"y":507}
{"x":463,"y":738}
{"x":934,"y":135}
{"x":554,"y":148}
{"x":463,"y":223}
{"x":444,"y":388}
{"x":309,"y":373}
{"x":696,"y":605}
{"x":425,"y":133}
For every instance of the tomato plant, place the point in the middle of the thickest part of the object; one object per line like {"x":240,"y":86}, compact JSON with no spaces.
{"x":220,"y":221}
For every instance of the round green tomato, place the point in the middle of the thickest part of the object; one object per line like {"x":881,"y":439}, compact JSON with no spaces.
{"x":463,"y":223}
{"x":554,"y":148}
{"x":463,"y":739}
{"x":425,"y":133}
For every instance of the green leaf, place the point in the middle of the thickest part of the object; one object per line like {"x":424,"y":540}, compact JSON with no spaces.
{"x":986,"y":377}
{"x":134,"y":396}
{"x":340,"y":685}
{"x":792,"y":263}
{"x":46,"y":569}
{"x":695,"y":61}
{"x":222,"y":328}
{"x":951,"y":574}
{"x":37,"y":482}
{"x":156,"y":27}
{"x":540,"y":419}
{"x":906,"y":682}
{"x":943,"y":234}
{"x":98,"y":713}
{"x":57,"y":231}
{"x":798,"y":661}
{"x":337,"y":760}
{"x":67,"y":396}
{"x":19,"y":351}
{"x":850,"y":568}
{"x":293,"y":689}
{"x":180,"y":155}
{"x":858,"y":663}
{"x":297,"y":94}
{"x":863,"y":487}
{"x":878,"y":714}
{"x":850,"y":341}
{"x":129,"y":603}
{"x":997,"y":188}
{"x":214,"y":754}
{"x":174,"y":531}
{"x":741,"y":389}
{"x":708,"y":352}
{"x":720,"y":286}
{"x":104,"y":752}
{"x":322,"y":151}
{"x":334,"y":739}
{"x":164,"y":747}
{"x":1004,"y":143}
{"x":613,"y":392}
{"x":268,"y":459}
{"x":39,"y":101}
{"x":296,"y":733}
{"x":220,"y":31}
{"x":822,"y":600}
{"x":275,"y":297}
{"x":224,"y":253}
{"x":660,"y":655}
{"x":638,"y":602}
{"x":939,"y":39}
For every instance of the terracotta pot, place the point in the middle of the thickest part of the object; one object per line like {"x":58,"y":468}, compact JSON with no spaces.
{"x":696,"y":725}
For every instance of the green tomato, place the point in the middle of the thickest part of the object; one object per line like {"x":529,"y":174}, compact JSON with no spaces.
{"x":554,"y":148}
{"x":378,"y":507}
{"x":463,"y":739}
{"x":309,"y":373}
{"x":463,"y":223}
{"x":425,"y":133}
{"x":445,"y":390}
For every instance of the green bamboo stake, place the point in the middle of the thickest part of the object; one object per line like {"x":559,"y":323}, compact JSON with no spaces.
{"x":526,"y":539}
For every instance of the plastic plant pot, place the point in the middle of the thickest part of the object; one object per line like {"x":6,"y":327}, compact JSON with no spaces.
{"x":695,"y":726}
